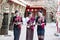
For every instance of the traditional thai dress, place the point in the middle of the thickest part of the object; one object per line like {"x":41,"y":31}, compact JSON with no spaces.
{"x":40,"y":26}
{"x":30,"y":28}
{"x":17,"y":27}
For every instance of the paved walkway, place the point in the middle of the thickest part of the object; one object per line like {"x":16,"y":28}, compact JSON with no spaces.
{"x":50,"y":30}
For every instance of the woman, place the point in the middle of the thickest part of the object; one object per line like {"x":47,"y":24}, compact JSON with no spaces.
{"x":17,"y":21}
{"x":40,"y":26}
{"x":30,"y":27}
{"x":52,"y":17}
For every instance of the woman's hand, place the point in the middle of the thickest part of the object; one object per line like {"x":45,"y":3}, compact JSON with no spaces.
{"x":15,"y":23}
{"x":28,"y":25}
{"x":19,"y":23}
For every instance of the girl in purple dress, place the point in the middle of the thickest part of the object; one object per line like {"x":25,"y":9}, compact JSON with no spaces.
{"x":30,"y":27}
{"x":40,"y":26}
{"x":17,"y":21}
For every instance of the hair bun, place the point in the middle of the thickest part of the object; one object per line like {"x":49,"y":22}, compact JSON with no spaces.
{"x":16,"y":11}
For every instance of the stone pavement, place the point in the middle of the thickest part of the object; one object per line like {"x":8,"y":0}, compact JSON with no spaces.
{"x":50,"y":30}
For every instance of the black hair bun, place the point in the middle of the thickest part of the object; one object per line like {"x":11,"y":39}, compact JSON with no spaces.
{"x":16,"y":11}
{"x":40,"y":11}
{"x":29,"y":12}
